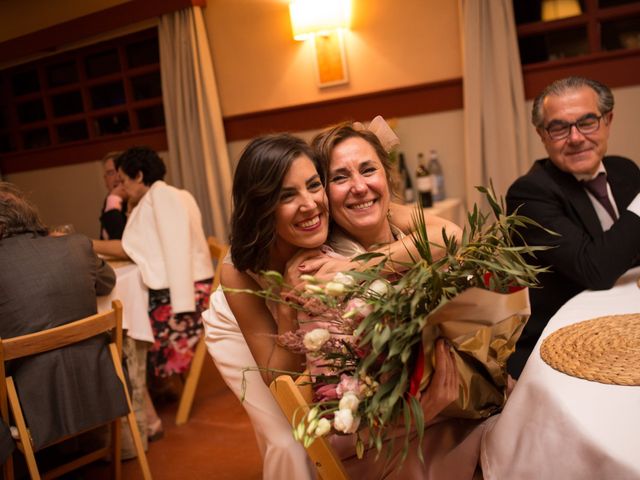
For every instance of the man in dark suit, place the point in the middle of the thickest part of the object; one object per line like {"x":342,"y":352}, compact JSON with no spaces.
{"x":599,"y":232}
{"x":47,"y":281}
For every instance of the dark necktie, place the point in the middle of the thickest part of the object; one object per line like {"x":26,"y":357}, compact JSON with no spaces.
{"x":598,"y":188}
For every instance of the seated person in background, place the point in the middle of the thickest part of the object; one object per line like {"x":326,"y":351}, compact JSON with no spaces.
{"x":599,"y":232}
{"x":165,"y":238}
{"x":114,"y":210}
{"x":46,"y":282}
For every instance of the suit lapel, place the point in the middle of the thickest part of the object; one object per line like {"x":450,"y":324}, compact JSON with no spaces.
{"x":577,"y":198}
{"x":622,"y":189}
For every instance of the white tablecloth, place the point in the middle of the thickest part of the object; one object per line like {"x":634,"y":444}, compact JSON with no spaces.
{"x":555,"y":426}
{"x":134,"y":296}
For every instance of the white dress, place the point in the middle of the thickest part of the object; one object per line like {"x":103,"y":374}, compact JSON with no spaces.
{"x":283,"y":457}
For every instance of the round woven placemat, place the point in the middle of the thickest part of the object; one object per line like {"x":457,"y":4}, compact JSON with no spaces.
{"x":605,"y":349}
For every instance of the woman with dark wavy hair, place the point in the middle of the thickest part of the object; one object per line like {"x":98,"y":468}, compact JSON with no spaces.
{"x":279,"y":208}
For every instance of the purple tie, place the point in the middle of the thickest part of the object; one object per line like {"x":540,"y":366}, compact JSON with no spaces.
{"x":598,"y":188}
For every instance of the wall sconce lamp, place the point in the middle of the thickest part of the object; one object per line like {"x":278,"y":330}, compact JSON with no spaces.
{"x":324,"y":21}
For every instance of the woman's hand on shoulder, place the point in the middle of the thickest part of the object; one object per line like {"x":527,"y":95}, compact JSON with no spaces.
{"x":331,"y":266}
{"x":305,"y":262}
{"x":443,"y":388}
{"x":320,"y":265}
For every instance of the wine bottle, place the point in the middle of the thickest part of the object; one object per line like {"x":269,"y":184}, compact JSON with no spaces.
{"x":424,"y":183}
{"x":408,"y":194}
{"x":438,"y":178}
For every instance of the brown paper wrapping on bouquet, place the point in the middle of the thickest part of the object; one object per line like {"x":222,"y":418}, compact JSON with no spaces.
{"x":483,"y":327}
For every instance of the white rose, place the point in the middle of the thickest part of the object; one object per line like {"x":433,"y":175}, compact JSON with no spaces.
{"x":379,"y":287}
{"x":324,"y":427}
{"x":349,"y":400}
{"x":334,"y":289}
{"x":310,"y":288}
{"x":344,"y":422}
{"x":314,"y":339}
{"x":343,"y":278}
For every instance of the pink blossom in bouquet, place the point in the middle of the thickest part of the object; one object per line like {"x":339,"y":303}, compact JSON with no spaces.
{"x":347,"y":383}
{"x":326,"y":392}
{"x":357,"y":309}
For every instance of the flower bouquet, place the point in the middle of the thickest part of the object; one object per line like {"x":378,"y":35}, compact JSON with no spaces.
{"x":369,"y":336}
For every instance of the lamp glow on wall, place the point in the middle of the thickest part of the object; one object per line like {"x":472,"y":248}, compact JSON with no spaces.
{"x":556,"y":9}
{"x":324,"y":22}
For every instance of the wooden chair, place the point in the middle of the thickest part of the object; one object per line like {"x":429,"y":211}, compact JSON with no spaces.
{"x":218,"y":251}
{"x":51,"y":339}
{"x":294,"y":398}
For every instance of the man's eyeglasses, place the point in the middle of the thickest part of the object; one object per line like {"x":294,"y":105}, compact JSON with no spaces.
{"x":558,"y":130}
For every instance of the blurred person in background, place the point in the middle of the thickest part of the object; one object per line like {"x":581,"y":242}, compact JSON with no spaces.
{"x":164,"y":237}
{"x":113,"y":216}
{"x":47,"y":281}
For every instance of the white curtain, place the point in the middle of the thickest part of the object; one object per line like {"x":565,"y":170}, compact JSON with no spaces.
{"x":198,"y":157}
{"x":495,"y":117}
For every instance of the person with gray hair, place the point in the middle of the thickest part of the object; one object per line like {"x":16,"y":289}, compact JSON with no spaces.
{"x":591,"y":200}
{"x":113,"y":216}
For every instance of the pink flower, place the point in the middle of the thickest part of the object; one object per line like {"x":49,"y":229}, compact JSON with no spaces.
{"x":292,"y":341}
{"x":326,"y":392}
{"x":358,"y":309}
{"x":348,"y":384}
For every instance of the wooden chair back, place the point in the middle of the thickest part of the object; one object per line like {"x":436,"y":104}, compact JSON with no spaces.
{"x":60,"y":337}
{"x":218,"y":251}
{"x":294,"y":398}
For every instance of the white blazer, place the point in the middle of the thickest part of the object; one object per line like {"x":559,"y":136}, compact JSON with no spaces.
{"x":164,"y":237}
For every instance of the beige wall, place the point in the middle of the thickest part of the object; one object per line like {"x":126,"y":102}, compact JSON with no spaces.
{"x":444,"y":132}
{"x":74,"y":193}
{"x":258,"y":66}
{"x":392,"y":43}
{"x":69,"y":194}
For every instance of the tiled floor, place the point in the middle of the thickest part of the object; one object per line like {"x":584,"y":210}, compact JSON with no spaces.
{"x":216,"y":443}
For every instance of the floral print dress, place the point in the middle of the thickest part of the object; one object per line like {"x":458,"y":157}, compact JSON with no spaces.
{"x":176,"y":335}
